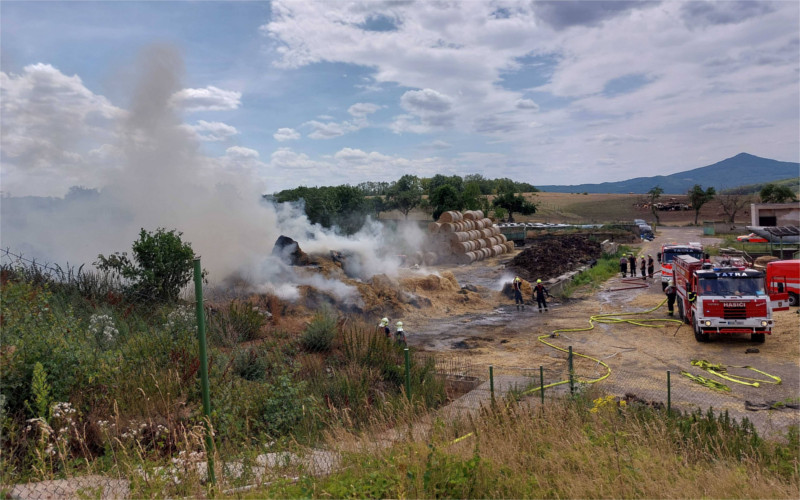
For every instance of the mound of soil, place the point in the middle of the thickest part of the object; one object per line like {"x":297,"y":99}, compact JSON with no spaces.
{"x":550,"y":256}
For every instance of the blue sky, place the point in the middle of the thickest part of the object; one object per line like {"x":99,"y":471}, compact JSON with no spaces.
{"x":334,"y":92}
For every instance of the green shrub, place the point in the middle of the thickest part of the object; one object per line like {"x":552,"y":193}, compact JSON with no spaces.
{"x":319,"y":335}
{"x":162,"y":265}
{"x":239,"y":322}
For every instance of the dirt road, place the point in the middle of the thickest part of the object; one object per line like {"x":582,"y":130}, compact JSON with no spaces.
{"x":639,"y":357}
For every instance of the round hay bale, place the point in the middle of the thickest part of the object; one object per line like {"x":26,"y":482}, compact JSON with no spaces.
{"x":495,"y":230}
{"x":447,"y":227}
{"x":487,"y":232}
{"x":510,"y":246}
{"x":430,"y":258}
{"x":502,"y":238}
{"x":469,"y":224}
{"x":480,"y":243}
{"x":499,"y":250}
{"x":434,"y":227}
{"x":459,"y":248}
{"x":487,"y":222}
{"x":470,"y":257}
{"x":451,"y":216}
{"x":468,"y":215}
{"x":478,"y":214}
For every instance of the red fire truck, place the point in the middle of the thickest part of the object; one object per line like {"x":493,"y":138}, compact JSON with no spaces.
{"x":670,"y":251}
{"x":783,"y":277}
{"x":722,"y":300}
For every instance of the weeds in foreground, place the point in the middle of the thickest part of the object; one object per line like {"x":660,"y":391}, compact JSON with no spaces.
{"x":573,"y":448}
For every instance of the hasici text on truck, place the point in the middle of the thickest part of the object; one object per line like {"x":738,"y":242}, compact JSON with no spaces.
{"x":670,"y":251}
{"x":721,"y":300}
{"x":783,"y":277}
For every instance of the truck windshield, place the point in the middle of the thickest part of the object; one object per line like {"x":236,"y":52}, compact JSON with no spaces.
{"x":732,"y":286}
{"x":669,"y":255}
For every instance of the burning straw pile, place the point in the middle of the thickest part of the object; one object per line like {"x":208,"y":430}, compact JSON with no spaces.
{"x":467,"y":237}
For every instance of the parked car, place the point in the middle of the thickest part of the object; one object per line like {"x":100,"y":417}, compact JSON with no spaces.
{"x":751,"y":238}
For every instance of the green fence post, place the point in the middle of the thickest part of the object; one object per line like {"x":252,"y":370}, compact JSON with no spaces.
{"x":408,"y":374}
{"x":541,"y":382}
{"x":669,"y":395}
{"x":571,"y":373}
{"x":201,"y":337}
{"x":491,"y":381}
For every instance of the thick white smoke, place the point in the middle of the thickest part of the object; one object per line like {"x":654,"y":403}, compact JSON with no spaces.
{"x":161,"y":179}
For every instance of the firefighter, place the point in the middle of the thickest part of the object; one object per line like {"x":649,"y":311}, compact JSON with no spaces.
{"x":539,"y":292}
{"x":384,"y":325}
{"x":671,"y":292}
{"x":643,"y":267}
{"x":623,"y":266}
{"x":632,"y":264}
{"x":651,"y":266}
{"x":517,"y":285}
{"x":400,"y":334}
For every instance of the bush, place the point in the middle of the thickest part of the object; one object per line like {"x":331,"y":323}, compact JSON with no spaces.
{"x":239,"y":322}
{"x":319,"y":334}
{"x":162,"y":265}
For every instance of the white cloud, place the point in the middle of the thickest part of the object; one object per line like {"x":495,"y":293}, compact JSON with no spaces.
{"x":53,"y":129}
{"x":329,"y":130}
{"x":212,"y":131}
{"x":736,"y":124}
{"x":207,"y":99}
{"x":362,"y":109}
{"x":241,"y":152}
{"x":286,"y":134}
{"x":527,"y":104}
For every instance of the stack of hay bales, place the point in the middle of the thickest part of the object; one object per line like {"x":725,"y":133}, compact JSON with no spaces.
{"x":468,"y":237}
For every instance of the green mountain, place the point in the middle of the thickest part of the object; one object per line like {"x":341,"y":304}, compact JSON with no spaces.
{"x":740,"y":170}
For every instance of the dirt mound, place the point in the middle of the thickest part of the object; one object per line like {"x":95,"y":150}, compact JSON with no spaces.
{"x":549,"y":256}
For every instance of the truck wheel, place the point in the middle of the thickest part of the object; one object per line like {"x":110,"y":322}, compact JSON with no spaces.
{"x":681,"y":314}
{"x":758,"y":337}
{"x":699,"y":335}
{"x":793,"y":299}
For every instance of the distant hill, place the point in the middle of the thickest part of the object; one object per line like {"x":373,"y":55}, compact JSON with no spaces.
{"x":740,"y":170}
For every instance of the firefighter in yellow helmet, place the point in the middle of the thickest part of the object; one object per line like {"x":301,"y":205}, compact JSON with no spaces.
{"x":539,"y":293}
{"x":517,"y":286}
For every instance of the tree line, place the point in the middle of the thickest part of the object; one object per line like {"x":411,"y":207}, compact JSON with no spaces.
{"x":347,"y":207}
{"x":732,"y":201}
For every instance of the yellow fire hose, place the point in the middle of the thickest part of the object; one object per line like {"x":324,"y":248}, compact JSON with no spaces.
{"x":597,"y":318}
{"x":721,"y":371}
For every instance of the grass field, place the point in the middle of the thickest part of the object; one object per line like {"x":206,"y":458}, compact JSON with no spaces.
{"x":602,"y":208}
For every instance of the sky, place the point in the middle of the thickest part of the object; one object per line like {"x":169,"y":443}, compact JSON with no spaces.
{"x":341,"y":92}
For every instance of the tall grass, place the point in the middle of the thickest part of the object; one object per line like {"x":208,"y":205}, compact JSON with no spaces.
{"x":573,"y":448}
{"x":606,"y":267}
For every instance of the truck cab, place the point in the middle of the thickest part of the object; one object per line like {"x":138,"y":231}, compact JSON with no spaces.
{"x":722,"y":300}
{"x":783,"y":280}
{"x":670,"y":251}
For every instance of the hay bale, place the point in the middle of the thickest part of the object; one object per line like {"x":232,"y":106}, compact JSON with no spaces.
{"x":509,"y":245}
{"x":447,"y":227}
{"x":430,"y":258}
{"x":502,"y":238}
{"x":499,"y":250}
{"x":451,"y":216}
{"x":434,"y":227}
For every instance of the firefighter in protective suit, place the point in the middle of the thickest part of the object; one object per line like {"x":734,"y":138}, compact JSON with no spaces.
{"x":517,"y":286}
{"x":400,"y":334}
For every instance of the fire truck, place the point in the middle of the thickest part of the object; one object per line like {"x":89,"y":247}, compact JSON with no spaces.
{"x":721,"y":300}
{"x":783,"y":277}
{"x":670,"y":251}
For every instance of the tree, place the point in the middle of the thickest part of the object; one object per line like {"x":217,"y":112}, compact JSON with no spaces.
{"x":512,"y":202}
{"x":162,"y":265}
{"x":444,"y":198}
{"x":732,"y":203}
{"x":342,"y":206}
{"x":653,"y":195}
{"x":471,"y":197}
{"x":773,"y":193}
{"x":698,"y":198}
{"x":405,"y":194}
